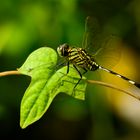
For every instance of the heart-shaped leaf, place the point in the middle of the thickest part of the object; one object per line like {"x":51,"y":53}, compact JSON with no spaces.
{"x":45,"y":84}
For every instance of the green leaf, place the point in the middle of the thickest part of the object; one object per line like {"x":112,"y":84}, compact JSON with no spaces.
{"x":45,"y":84}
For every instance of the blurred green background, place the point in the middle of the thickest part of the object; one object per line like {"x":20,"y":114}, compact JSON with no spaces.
{"x":26,"y":25}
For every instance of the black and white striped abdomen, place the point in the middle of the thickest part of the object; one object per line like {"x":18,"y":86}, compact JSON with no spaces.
{"x":121,"y":76}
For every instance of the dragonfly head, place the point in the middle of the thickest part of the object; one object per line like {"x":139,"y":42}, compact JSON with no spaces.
{"x":63,"y":50}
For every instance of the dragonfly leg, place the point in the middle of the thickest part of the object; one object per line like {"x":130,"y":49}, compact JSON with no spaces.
{"x":68,"y":67}
{"x":79,"y":79}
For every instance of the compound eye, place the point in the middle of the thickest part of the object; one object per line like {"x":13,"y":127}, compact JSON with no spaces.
{"x":63,"y":50}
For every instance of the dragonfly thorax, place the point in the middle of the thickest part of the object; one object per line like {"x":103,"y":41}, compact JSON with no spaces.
{"x":78,"y":56}
{"x":63,"y":50}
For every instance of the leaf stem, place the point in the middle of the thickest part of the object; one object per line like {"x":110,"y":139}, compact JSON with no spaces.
{"x":6,"y":73}
{"x":114,"y":87}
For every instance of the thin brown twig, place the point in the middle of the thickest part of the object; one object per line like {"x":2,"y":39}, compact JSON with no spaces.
{"x":16,"y":72}
{"x":114,"y":87}
{"x":6,"y":73}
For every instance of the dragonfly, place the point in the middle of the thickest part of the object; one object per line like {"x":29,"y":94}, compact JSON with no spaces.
{"x":98,"y":52}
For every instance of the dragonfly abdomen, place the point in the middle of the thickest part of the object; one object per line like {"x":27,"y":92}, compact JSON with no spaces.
{"x":120,"y":76}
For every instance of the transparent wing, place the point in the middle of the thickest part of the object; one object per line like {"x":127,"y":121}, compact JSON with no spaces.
{"x":91,"y":35}
{"x":105,"y":48}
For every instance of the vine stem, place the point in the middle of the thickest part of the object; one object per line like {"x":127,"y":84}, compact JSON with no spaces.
{"x":137,"y":96}
{"x":6,"y":73}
